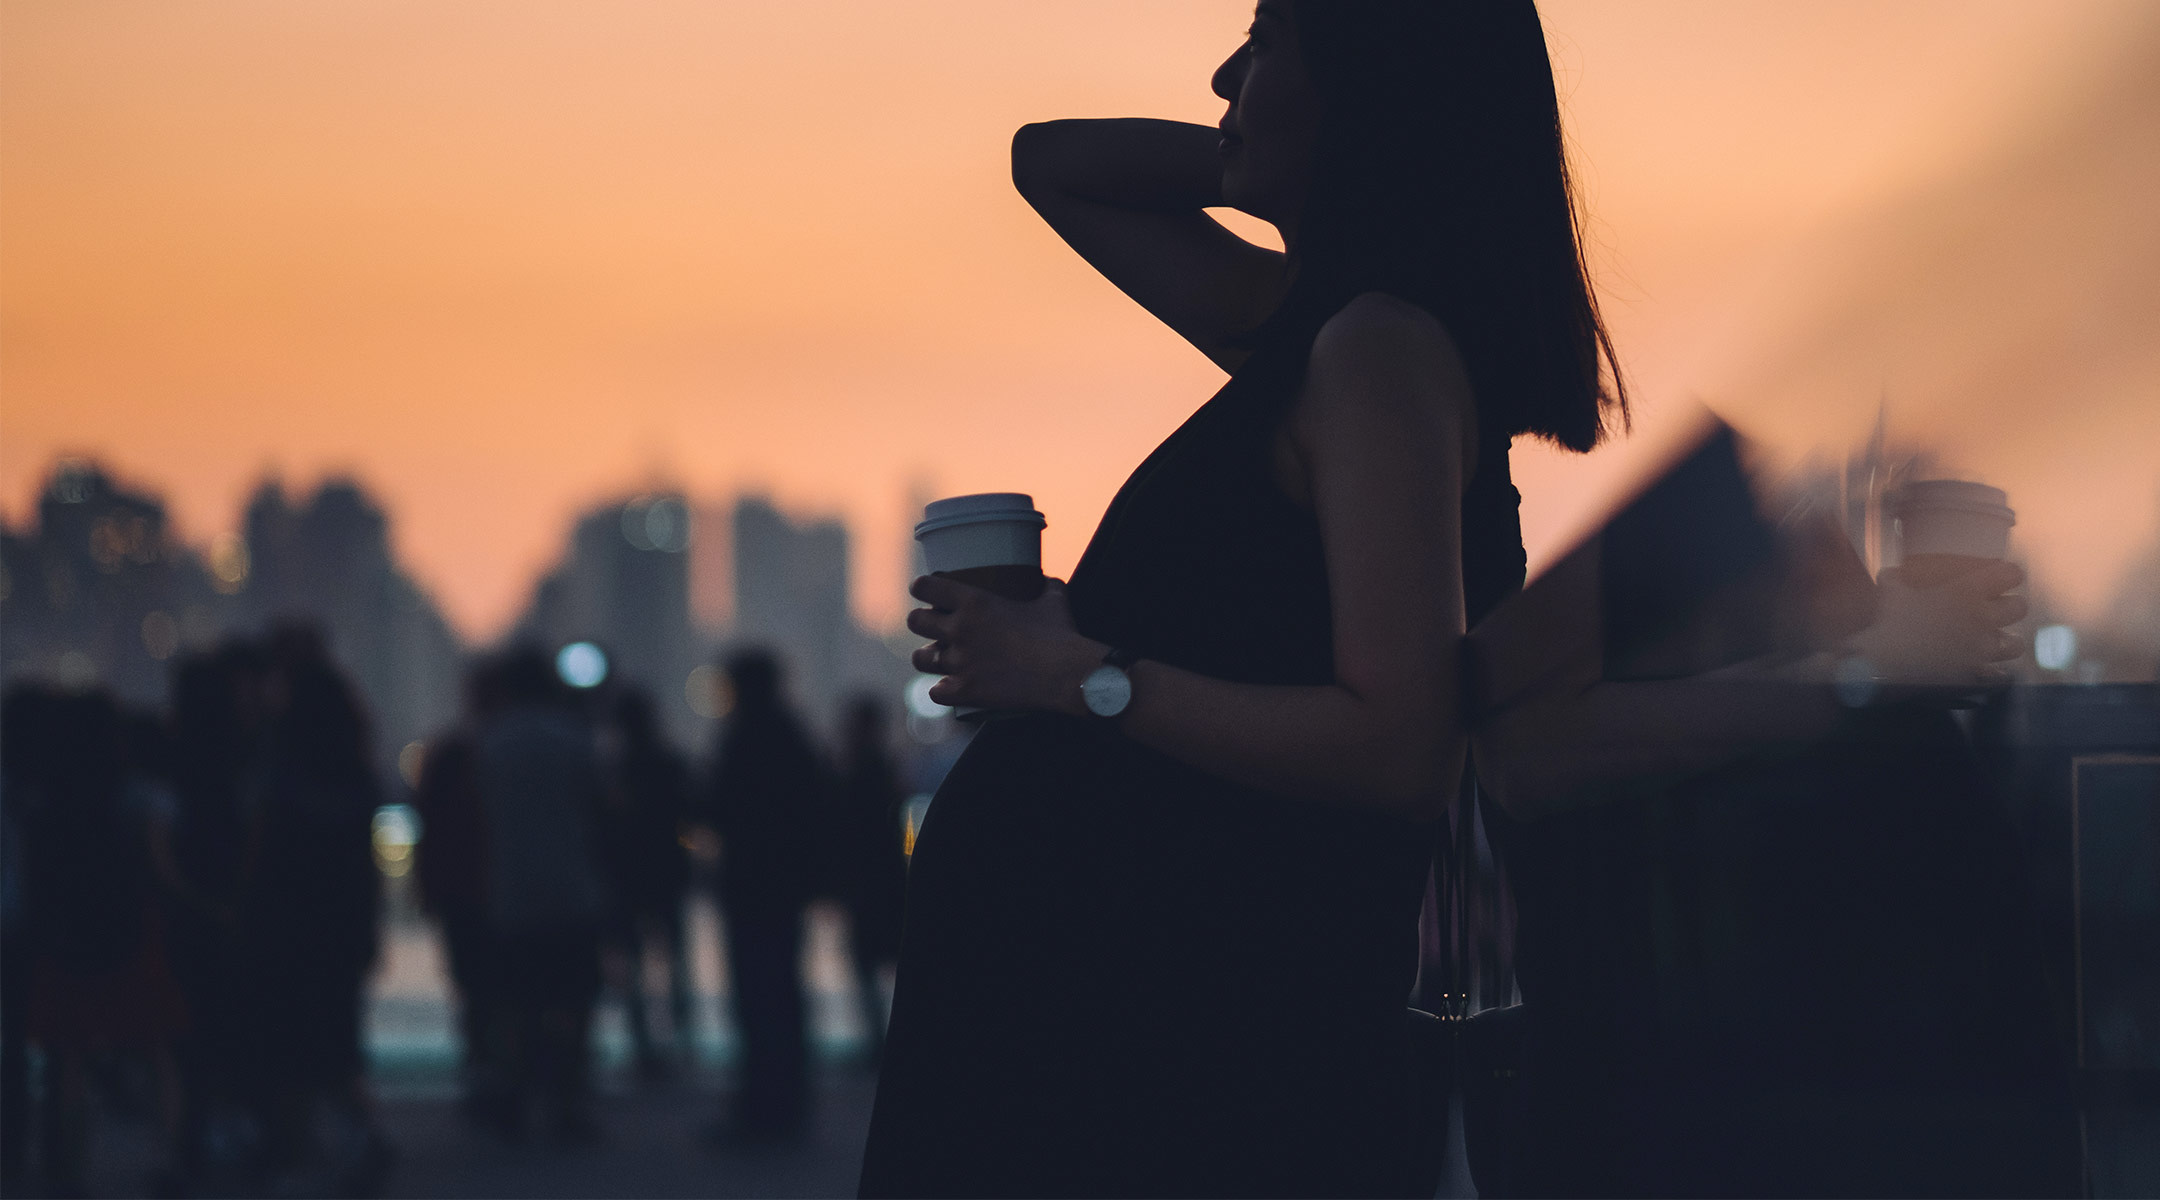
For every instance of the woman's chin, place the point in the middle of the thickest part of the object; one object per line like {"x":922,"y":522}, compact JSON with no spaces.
{"x":1238,"y":196}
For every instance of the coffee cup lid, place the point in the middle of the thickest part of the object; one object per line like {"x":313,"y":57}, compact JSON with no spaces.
{"x":979,"y":508}
{"x":1958,"y":494}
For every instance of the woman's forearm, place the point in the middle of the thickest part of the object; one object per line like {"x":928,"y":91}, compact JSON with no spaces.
{"x":1128,"y":162}
{"x":1558,"y":736}
{"x":1130,"y":196}
{"x":1327,"y":744}
{"x":1582,"y":749}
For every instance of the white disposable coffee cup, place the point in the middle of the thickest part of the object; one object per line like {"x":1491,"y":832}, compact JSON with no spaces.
{"x":991,"y":540}
{"x":990,"y":529}
{"x":1952,"y":517}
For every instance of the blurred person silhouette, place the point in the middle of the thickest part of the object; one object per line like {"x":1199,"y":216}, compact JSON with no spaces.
{"x":1162,"y":924}
{"x":870,"y":867}
{"x":309,"y":924}
{"x":769,"y":785}
{"x":649,"y":872}
{"x":452,"y":873}
{"x":541,"y":789}
{"x":99,"y":976}
{"x":19,"y":720}
{"x":1772,"y":936}
{"x":217,"y":720}
{"x":148,"y":752}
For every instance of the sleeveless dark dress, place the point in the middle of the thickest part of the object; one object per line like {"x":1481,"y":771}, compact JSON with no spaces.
{"x":1122,"y":975}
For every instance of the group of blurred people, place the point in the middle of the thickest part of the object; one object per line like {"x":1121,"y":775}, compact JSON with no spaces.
{"x":191,"y":915}
{"x":192,"y":905}
{"x":556,"y":856}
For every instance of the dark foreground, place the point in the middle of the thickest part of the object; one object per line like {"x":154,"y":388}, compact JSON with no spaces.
{"x":653,"y":1143}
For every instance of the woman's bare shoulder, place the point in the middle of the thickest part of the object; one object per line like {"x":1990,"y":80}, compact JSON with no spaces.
{"x":1379,"y":330}
{"x":1380,"y":352}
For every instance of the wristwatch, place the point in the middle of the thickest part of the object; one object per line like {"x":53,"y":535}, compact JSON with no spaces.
{"x":1107,"y":690}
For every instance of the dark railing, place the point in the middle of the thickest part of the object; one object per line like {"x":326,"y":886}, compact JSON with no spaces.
{"x":2079,"y":770}
{"x":2076,"y":770}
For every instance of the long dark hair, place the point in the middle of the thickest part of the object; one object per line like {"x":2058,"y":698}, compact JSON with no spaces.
{"x":1441,"y":176}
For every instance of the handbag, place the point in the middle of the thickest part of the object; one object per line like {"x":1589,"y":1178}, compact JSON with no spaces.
{"x":1476,"y":1056}
{"x":1487,"y":1050}
{"x":1479,"y":1059}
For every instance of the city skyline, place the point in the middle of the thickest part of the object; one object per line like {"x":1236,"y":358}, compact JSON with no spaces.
{"x":710,"y":588}
{"x":503,"y":261}
{"x":742,"y":568}
{"x":99,"y":590}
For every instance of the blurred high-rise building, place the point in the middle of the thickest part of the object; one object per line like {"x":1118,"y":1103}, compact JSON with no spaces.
{"x":98,"y":591}
{"x":101,"y":592}
{"x":326,"y":560}
{"x":624,"y":584}
{"x":792,"y":594}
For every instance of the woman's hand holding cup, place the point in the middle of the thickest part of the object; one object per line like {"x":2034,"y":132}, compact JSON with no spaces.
{"x":1940,"y":617}
{"x":1950,"y":631}
{"x":1000,"y":632}
{"x":1000,"y":653}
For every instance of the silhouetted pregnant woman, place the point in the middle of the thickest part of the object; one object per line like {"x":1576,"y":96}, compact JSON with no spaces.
{"x":1163,"y":946}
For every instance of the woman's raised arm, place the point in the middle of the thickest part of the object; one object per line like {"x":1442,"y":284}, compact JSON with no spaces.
{"x":1130,"y":195}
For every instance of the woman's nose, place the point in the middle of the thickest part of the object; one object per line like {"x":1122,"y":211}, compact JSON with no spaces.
{"x":1229,"y":78}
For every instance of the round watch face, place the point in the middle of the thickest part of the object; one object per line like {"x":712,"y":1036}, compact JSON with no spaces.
{"x":1107,"y":691}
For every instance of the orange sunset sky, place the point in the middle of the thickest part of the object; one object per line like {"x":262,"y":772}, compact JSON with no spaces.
{"x":501,"y":260}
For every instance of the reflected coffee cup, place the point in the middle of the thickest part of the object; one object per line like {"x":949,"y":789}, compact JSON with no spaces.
{"x":992,"y":540}
{"x":1947,"y":527}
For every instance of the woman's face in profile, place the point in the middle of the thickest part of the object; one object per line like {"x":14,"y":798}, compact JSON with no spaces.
{"x":1274,"y":118}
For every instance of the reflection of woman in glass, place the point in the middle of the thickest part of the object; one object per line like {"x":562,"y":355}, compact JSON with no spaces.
{"x":1771,"y":937}
{"x":1162,"y":926}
